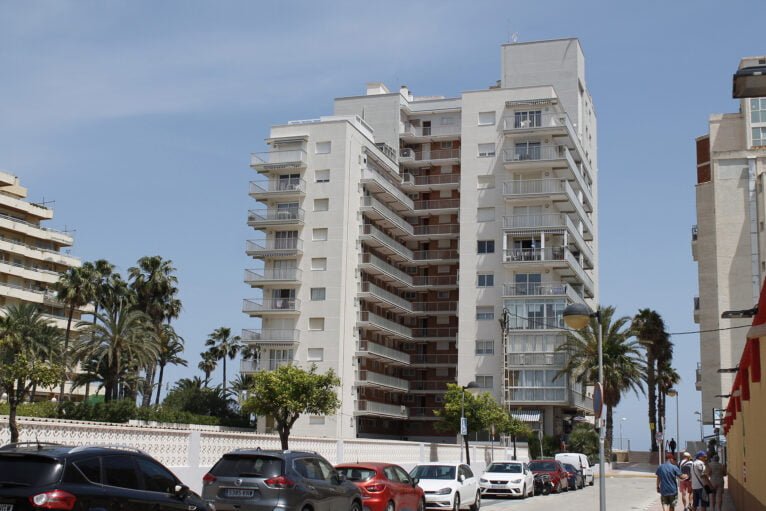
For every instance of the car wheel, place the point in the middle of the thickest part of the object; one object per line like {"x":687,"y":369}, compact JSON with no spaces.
{"x":476,"y":503}
{"x":422,"y":505}
{"x":390,"y":506}
{"x":456,"y":505}
{"x":356,"y":506}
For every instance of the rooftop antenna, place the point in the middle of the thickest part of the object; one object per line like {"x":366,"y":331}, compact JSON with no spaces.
{"x":44,"y":202}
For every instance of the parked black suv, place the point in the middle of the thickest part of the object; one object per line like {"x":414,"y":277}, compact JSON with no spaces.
{"x":258,"y":480}
{"x":51,"y":476}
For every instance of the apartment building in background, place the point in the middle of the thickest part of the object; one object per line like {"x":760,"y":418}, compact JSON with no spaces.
{"x":392,"y":235}
{"x":728,"y":241}
{"x":32,"y":257}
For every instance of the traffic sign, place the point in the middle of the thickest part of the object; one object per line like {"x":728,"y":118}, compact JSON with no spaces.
{"x":463,"y":426}
{"x":598,"y":400}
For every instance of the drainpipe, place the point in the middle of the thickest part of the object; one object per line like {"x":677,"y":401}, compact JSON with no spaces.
{"x":754,"y":242}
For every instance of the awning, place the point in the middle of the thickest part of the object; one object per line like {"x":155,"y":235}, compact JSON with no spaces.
{"x":527,"y":415}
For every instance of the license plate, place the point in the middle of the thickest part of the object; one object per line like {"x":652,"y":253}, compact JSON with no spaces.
{"x":6,"y":507}
{"x":234,"y":493}
{"x":498,"y":486}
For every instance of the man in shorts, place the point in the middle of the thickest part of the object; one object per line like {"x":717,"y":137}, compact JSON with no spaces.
{"x":686,"y":483}
{"x":699,"y":481}
{"x":668,"y":475}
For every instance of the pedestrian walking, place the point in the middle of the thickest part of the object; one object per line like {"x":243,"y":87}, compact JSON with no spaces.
{"x":716,"y":472}
{"x":700,"y":482}
{"x":672,"y":445}
{"x":686,"y":484}
{"x":668,"y":475}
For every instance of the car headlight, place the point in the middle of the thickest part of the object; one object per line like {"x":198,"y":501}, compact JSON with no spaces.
{"x":483,"y":480}
{"x":444,"y":491}
{"x":516,"y":481}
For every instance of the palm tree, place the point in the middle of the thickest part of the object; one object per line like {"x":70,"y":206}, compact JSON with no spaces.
{"x":75,"y":289}
{"x":171,"y":346}
{"x":242,"y":383}
{"x":649,"y":329}
{"x":154,"y":282}
{"x":223,"y":345}
{"x":624,"y":369}
{"x":189,"y":383}
{"x":207,"y":365}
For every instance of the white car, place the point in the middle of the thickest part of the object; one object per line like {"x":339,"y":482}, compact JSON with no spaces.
{"x":579,"y":461}
{"x":508,"y":478}
{"x":448,"y":485}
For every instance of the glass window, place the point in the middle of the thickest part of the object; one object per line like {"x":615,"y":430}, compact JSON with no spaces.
{"x":29,"y":470}
{"x":319,"y":264}
{"x":486,"y":118}
{"x":484,"y":313}
{"x":231,"y":465}
{"x":319,"y":234}
{"x":485,"y":347}
{"x":318,"y":294}
{"x":757,"y":110}
{"x":487,"y":150}
{"x":156,"y":477}
{"x":485,"y":280}
{"x":528,"y":119}
{"x":315,"y":354}
{"x":759,"y":136}
{"x":391,"y":474}
{"x":403,"y":476}
{"x":484,"y":381}
{"x":322,"y":176}
{"x":90,"y":468}
{"x":120,"y":471}
{"x":323,"y":147}
{"x":486,"y":246}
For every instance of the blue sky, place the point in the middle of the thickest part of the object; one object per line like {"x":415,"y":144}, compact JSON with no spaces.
{"x":137,"y":118}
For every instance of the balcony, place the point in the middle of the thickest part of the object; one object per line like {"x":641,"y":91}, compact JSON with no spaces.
{"x":419,"y":134}
{"x":376,"y":237}
{"x":28,"y":272}
{"x":259,"y":278}
{"x":33,"y":252}
{"x":275,"y":216}
{"x":538,"y":394}
{"x":429,"y":386}
{"x":435,"y":281}
{"x":533,"y":255}
{"x":434,"y":308}
{"x":375,"y":322}
{"x":411,"y":158}
{"x":374,"y":350}
{"x":377,"y":266}
{"x":437,"y":205}
{"x":252,"y":366}
{"x":379,"y":211}
{"x":435,"y":231}
{"x":433,"y":360}
{"x":365,"y":407}
{"x":272,"y":306}
{"x":539,"y":289}
{"x":435,"y":334}
{"x":278,"y":160}
{"x":373,"y":293}
{"x":35,"y":230}
{"x":424,"y":412}
{"x":440,"y":255}
{"x":524,"y":157}
{"x":430,"y":182}
{"x":379,"y":183}
{"x":523,"y":224}
{"x":270,"y":336}
{"x":292,"y":187}
{"x":274,"y":247}
{"x":555,"y":359}
{"x":382,"y":380}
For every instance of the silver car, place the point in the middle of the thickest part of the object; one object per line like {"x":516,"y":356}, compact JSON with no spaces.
{"x":258,"y":480}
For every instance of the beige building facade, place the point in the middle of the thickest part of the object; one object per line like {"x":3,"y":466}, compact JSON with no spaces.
{"x":392,"y":238}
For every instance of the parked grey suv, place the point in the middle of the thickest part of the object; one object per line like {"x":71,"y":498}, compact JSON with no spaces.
{"x":258,"y":480}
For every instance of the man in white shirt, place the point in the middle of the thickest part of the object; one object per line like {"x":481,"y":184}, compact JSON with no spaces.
{"x":699,"y":480}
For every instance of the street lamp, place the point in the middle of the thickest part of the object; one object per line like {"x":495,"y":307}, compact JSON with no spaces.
{"x":674,"y":393}
{"x":623,"y":419}
{"x":577,"y":316}
{"x":463,"y":421}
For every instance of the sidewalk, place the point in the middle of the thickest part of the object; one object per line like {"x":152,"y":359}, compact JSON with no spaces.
{"x":728,"y":505}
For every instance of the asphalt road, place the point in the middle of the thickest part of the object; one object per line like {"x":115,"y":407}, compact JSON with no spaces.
{"x":622,"y":494}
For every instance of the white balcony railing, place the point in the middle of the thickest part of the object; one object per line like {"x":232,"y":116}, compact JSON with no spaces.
{"x":270,"y":244}
{"x":556,"y":359}
{"x":383,"y":380}
{"x":434,"y":179}
{"x":388,"y":296}
{"x":527,"y":153}
{"x":386,"y":324}
{"x":386,"y":268}
{"x":525,"y":255}
{"x":376,"y":408}
{"x":294,"y":156}
{"x":270,"y":335}
{"x":384,"y":351}
{"x":275,"y":215}
{"x":278,"y":186}
{"x":371,"y":202}
{"x":281,"y":274}
{"x":371,"y":230}
{"x":271,"y":305}
{"x":533,"y":221}
{"x":533,"y":187}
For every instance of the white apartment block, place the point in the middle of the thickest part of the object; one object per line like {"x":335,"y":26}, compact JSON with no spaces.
{"x":391,"y":236}
{"x":728,"y":241}
{"x":31,"y":257}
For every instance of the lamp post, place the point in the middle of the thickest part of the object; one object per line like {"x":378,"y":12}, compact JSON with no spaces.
{"x":623,"y":419}
{"x":674,"y":393}
{"x":463,"y":421}
{"x":577,"y":316}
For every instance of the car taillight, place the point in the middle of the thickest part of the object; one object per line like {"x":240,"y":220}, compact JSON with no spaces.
{"x":279,"y":482}
{"x":56,"y":499}
{"x":208,"y":478}
{"x":375,"y":488}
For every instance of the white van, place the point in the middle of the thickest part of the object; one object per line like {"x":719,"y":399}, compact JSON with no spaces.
{"x":580,"y":461}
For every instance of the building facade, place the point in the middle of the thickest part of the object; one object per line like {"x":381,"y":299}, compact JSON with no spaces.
{"x":31,"y":257}
{"x":395,"y":235}
{"x":728,"y":243}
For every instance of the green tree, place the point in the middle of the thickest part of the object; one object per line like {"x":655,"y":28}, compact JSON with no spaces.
{"x":649,"y":329}
{"x":171,"y":346}
{"x":288,"y":392}
{"x":29,"y":346}
{"x":207,"y":365}
{"x":624,"y":368}
{"x":199,"y":401}
{"x":514,"y":428}
{"x":223,"y":345}
{"x":480,"y":411}
{"x":584,"y":439}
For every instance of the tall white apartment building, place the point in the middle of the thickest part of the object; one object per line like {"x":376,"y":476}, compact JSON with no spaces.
{"x":728,"y":241}
{"x":393,"y":234}
{"x":31,"y":258}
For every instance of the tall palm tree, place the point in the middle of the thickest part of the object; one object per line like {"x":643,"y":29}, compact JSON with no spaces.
{"x":207,"y":365}
{"x":154,"y":283}
{"x":171,"y":346}
{"x":649,"y":329}
{"x":624,"y":369}
{"x":222,"y":346}
{"x":75,"y":289}
{"x":189,"y":383}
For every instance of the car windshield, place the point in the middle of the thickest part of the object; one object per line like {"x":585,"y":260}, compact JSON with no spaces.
{"x":445,"y":472}
{"x":542,"y":466}
{"x":356,"y":474}
{"x":247,"y":466}
{"x":505,"y":468}
{"x":20,"y":471}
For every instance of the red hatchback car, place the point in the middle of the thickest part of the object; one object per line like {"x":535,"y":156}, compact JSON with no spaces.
{"x":555,"y":470}
{"x":384,"y":486}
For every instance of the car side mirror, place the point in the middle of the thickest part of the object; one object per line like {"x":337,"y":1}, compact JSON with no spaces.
{"x":339,"y":477}
{"x":181,"y":491}
{"x":461,"y":478}
{"x":415,"y":481}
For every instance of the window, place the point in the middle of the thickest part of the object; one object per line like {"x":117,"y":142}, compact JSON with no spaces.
{"x":485,"y":246}
{"x":758,"y":110}
{"x":486,"y":150}
{"x":321,"y":204}
{"x":119,"y":471}
{"x":322,"y":176}
{"x":323,"y":147}
{"x":315,"y":354}
{"x":442,"y":295}
{"x":485,"y":313}
{"x":446,"y":145}
{"x":279,"y":358}
{"x":319,"y":234}
{"x":524,"y":151}
{"x":316,"y":323}
{"x":486,"y":118}
{"x":485,"y":214}
{"x":447,"y":121}
{"x":90,"y":468}
{"x":156,"y":477}
{"x":316,"y":420}
{"x":759,"y":136}
{"x":484,"y":381}
{"x":485,"y":280}
{"x":318,"y":294}
{"x":319,"y":264}
{"x":529,"y":119}
{"x":443,"y":268}
{"x":485,"y":347}
{"x":485,"y":183}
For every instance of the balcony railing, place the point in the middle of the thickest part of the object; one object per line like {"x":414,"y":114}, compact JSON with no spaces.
{"x":533,"y":186}
{"x":434,"y":179}
{"x":251,"y":366}
{"x":275,"y":215}
{"x":534,"y":289}
{"x":270,"y":335}
{"x":278,"y":186}
{"x":434,"y":307}
{"x":695,"y":232}
{"x":524,"y":255}
{"x":371,"y":230}
{"x":435,"y":255}
{"x":534,"y":120}
{"x":386,"y":324}
{"x":429,"y":385}
{"x":281,"y":246}
{"x":533,"y":221}
{"x":383,"y":380}
{"x":437,"y":204}
{"x":282,"y":274}
{"x":388,"y":296}
{"x":549,"y":394}
{"x":371,"y":202}
{"x":271,"y":305}
{"x":436,"y":229}
{"x":433,"y":359}
{"x":580,"y":400}
{"x":534,"y":153}
{"x":376,"y":408}
{"x":437,"y":332}
{"x":383,"y":351}
{"x":432,"y":131}
{"x":424,"y":412}
{"x":61,"y":234}
{"x":434,"y":154}
{"x":278,"y":158}
{"x":386,"y":268}
{"x":435,"y":281}
{"x":556,"y":359}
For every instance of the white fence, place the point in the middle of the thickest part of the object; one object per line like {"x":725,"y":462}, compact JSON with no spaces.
{"x":191,"y":450}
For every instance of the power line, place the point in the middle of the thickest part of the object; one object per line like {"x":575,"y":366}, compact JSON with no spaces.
{"x":706,"y":331}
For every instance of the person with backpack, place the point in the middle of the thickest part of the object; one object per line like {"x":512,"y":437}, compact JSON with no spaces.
{"x":686,"y":483}
{"x":700,"y":482}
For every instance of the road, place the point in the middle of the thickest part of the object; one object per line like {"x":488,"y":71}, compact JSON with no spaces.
{"x":622,"y":494}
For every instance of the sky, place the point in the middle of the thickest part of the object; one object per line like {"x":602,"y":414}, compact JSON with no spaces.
{"x":136,"y":120}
